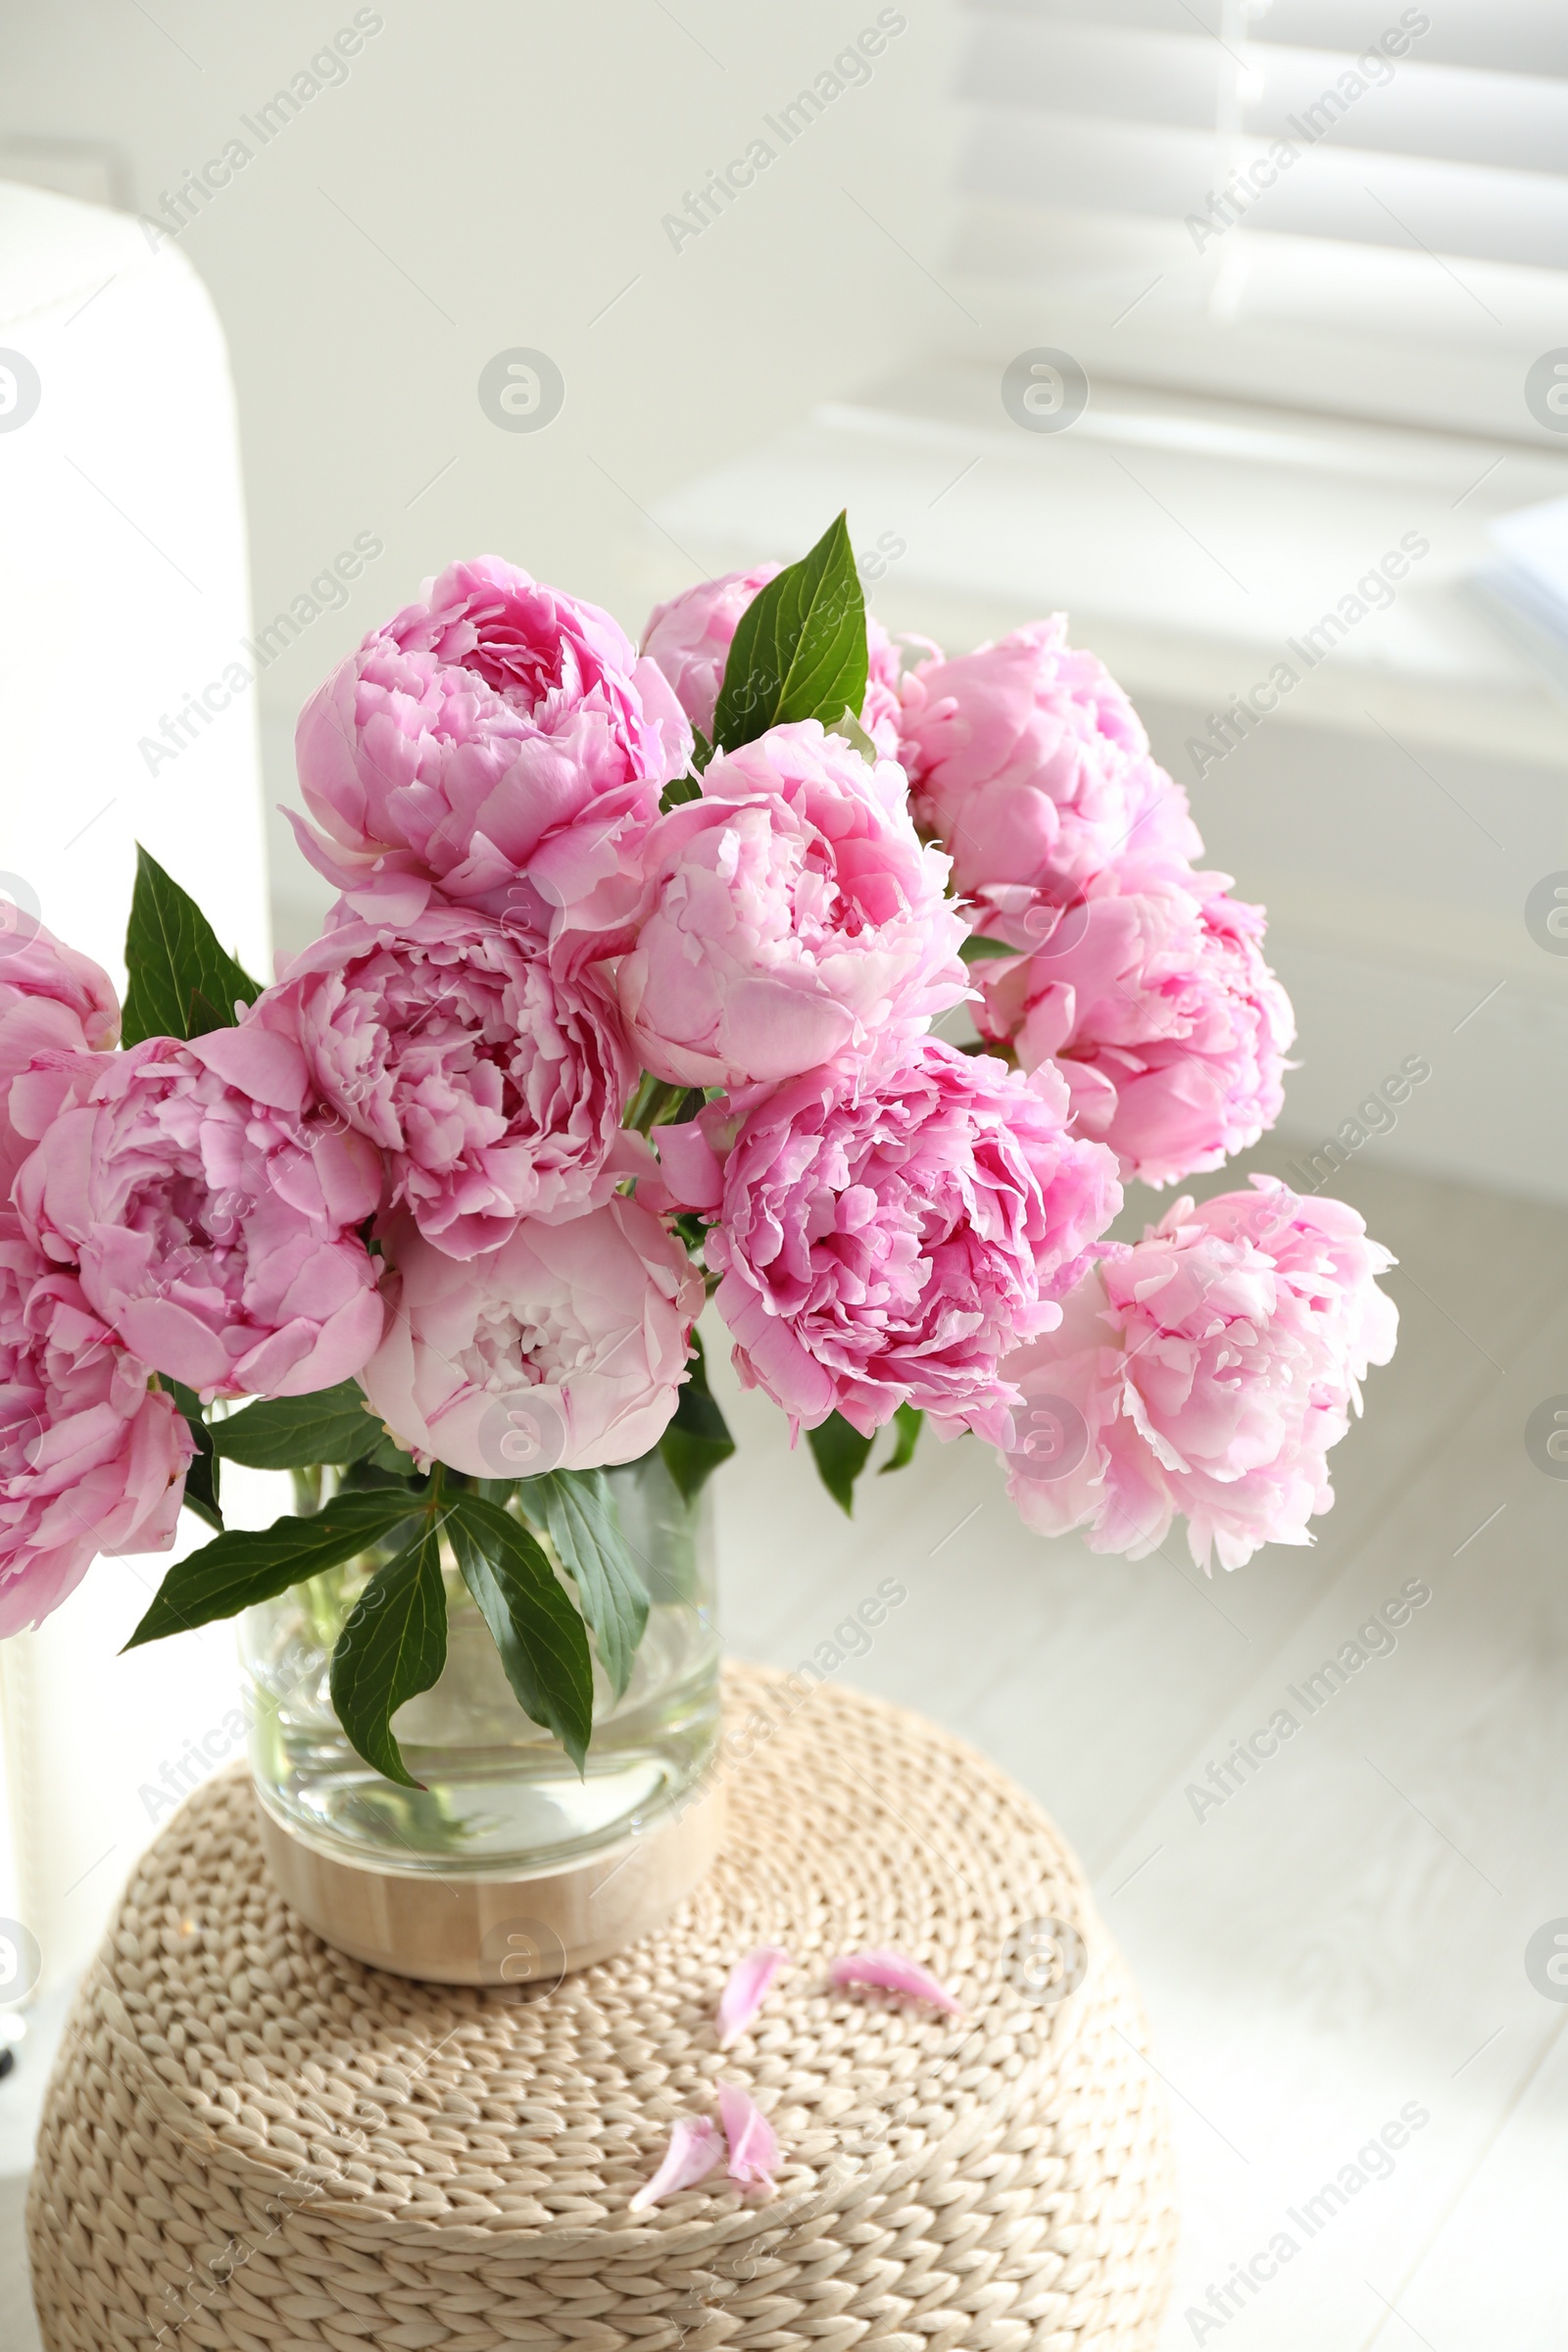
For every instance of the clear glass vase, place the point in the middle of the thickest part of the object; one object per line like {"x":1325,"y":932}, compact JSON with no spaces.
{"x":501,"y":1798}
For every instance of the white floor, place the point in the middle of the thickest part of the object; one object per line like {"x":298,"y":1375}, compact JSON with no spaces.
{"x":1344,"y":1939}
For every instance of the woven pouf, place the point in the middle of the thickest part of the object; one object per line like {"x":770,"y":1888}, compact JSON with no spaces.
{"x":252,"y":2141}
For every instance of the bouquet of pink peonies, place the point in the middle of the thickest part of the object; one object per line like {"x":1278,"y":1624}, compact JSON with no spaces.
{"x":629,"y":998}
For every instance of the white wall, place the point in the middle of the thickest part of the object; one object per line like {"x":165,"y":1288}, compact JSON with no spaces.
{"x":494,"y":176}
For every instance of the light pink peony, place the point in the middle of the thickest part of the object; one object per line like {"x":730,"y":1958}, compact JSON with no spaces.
{"x":1206,"y":1372}
{"x":492,"y":1087}
{"x":1168,"y":1026}
{"x":498,"y":738}
{"x":690,"y":637}
{"x":1029,"y":762}
{"x":564,"y":1349}
{"x":886,"y":1234}
{"x":882,"y":712}
{"x":787,"y":916}
{"x":211,"y":1218}
{"x":91,"y":1459}
{"x":52,"y":1001}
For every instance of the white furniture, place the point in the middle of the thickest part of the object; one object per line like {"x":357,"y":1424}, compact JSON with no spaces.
{"x":123,"y":600}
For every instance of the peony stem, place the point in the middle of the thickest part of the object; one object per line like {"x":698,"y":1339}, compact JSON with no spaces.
{"x":655,"y":1103}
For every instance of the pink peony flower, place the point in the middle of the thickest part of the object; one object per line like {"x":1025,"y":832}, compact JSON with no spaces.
{"x":91,"y":1459}
{"x":498,"y":738}
{"x":492,"y":1087}
{"x":1206,"y":1371}
{"x":887,"y":1234}
{"x":563,"y":1350}
{"x":52,"y":1001}
{"x":786,"y":917}
{"x":882,"y":712}
{"x":1029,"y":762}
{"x":1166,"y":1024}
{"x":212,"y":1219}
{"x":690,"y":637}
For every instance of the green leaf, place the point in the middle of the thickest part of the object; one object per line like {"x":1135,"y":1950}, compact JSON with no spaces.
{"x":799,"y":651}
{"x":978,"y":950}
{"x":387,"y":1455}
{"x":247,"y":1564}
{"x":182,"y":984}
{"x":393,"y":1647}
{"x":294,"y":1432}
{"x":542,"y":1640}
{"x":702,"y":751}
{"x":840,"y":1454}
{"x":697,"y":1440}
{"x":909,"y":1421}
{"x":367,"y":1476}
{"x":201,"y":1479}
{"x":584,"y":1527}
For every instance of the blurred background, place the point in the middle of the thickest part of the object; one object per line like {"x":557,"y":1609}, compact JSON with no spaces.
{"x":1181,"y":315}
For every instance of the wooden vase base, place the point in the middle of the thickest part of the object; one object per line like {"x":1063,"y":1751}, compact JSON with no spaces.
{"x":502,"y":1929}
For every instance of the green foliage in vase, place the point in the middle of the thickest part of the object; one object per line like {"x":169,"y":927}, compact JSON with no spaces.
{"x":545,"y":1559}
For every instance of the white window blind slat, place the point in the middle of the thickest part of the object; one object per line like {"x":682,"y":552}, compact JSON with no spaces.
{"x":1507,"y":36}
{"x":1443,"y":113}
{"x":1399,"y":201}
{"x":1381,"y":184}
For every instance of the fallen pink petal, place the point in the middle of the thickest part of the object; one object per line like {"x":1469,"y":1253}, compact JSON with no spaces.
{"x":695,"y":2148}
{"x":745,"y":1990}
{"x":753,"y":2146}
{"x":890,"y":1972}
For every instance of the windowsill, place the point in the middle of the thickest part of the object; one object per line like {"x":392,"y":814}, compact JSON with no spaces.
{"x":1191,"y":540}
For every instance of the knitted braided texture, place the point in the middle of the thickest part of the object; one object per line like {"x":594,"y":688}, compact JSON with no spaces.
{"x":252,"y":2143}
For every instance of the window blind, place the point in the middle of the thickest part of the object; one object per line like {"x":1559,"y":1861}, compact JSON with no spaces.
{"x":1401,"y":165}
{"x":1375,"y":123}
